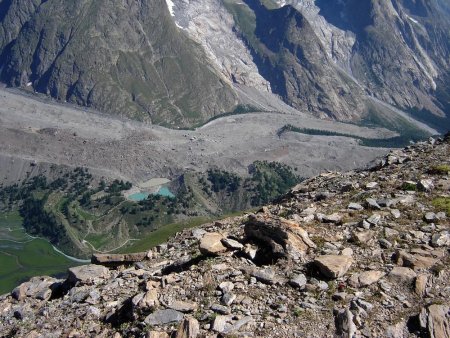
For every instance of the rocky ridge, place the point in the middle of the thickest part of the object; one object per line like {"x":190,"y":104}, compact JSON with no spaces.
{"x":356,"y":254}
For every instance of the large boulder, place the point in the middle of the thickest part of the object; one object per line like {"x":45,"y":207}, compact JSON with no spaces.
{"x":285,"y":238}
{"x":211,"y":243}
{"x":37,"y":287}
{"x":435,"y":319}
{"x":87,"y":274}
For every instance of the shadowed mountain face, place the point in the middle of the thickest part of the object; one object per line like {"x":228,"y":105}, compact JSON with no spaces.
{"x":124,"y":57}
{"x":402,"y":49}
{"x":289,"y":54}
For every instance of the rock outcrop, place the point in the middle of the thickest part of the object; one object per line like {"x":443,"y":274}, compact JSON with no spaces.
{"x":276,"y":273}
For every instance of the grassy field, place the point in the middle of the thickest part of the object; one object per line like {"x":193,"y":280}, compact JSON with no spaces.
{"x":22,"y":257}
{"x":162,"y":234}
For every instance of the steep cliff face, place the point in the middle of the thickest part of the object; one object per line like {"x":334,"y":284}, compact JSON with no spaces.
{"x":124,"y":57}
{"x":291,"y":56}
{"x":401,"y":52}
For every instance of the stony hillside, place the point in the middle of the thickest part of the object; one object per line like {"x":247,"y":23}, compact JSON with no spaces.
{"x":355,"y":254}
{"x":126,"y":58}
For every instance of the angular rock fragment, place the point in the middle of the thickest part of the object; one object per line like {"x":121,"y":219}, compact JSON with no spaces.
{"x":220,"y":309}
{"x":374,"y":219}
{"x":161,"y":317}
{"x":87,"y":274}
{"x":37,"y":287}
{"x":226,"y":286}
{"x":228,"y":298}
{"x":183,"y":306}
{"x":118,"y":259}
{"x":441,"y":239}
{"x":426,"y":185}
{"x":372,"y":204}
{"x":363,"y":237}
{"x":402,"y":274}
{"x":371,"y":185}
{"x":235,"y":327}
{"x":211,"y":244}
{"x":355,"y":206}
{"x":396,"y":213}
{"x":220,"y":324}
{"x":366,"y":278}
{"x":333,"y":266}
{"x":421,"y":284}
{"x":333,"y":218}
{"x":429,"y":217}
{"x":398,"y":330}
{"x":345,"y":327}
{"x":232,"y":244}
{"x":266,"y":276}
{"x":146,"y":301}
{"x":188,"y":328}
{"x":435,"y":319}
{"x":416,"y":262}
{"x":298,"y":281}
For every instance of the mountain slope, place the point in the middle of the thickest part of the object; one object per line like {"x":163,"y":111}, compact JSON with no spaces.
{"x":289,"y":54}
{"x":180,"y":63}
{"x":401,"y":48}
{"x":329,"y":57}
{"x":126,"y":58}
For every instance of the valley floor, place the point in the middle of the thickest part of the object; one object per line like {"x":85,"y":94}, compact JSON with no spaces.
{"x":45,"y":133}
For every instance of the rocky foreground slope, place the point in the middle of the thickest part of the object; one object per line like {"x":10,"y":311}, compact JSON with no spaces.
{"x":356,"y":254}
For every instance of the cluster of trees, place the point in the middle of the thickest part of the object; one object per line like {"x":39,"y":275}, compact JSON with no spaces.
{"x":223,"y":180}
{"x":39,"y":222}
{"x":270,"y":180}
{"x":393,"y":142}
{"x":117,"y":186}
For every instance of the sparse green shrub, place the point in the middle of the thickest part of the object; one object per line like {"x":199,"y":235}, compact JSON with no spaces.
{"x":442,"y":204}
{"x":408,"y":186}
{"x":442,"y":169}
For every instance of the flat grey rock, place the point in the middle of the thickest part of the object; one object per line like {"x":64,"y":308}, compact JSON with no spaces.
{"x":161,"y":317}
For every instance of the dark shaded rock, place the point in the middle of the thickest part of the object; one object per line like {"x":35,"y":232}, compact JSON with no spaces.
{"x":285,"y":238}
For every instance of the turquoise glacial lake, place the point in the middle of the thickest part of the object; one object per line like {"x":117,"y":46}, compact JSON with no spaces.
{"x":165,"y":192}
{"x":140,"y":196}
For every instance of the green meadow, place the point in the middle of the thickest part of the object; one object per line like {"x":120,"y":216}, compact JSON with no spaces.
{"x":22,"y":256}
